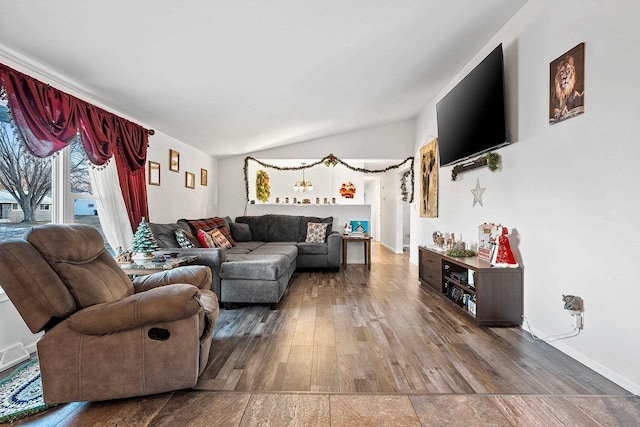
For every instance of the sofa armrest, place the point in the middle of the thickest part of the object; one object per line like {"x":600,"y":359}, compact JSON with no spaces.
{"x":196,"y":275}
{"x":334,"y":241}
{"x":163,"y":304}
{"x":211,"y":257}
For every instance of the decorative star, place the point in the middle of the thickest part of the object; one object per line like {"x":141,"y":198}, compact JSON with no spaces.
{"x":477,"y":193}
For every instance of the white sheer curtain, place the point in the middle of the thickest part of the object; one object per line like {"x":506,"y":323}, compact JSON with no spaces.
{"x":110,"y":204}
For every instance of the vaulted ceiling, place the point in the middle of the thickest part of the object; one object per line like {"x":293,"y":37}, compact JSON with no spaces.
{"x":232,"y":77}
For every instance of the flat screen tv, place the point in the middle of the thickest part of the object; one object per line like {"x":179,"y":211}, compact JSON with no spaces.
{"x":471,"y":117}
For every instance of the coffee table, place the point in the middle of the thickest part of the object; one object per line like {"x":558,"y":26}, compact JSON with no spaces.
{"x":143,"y":268}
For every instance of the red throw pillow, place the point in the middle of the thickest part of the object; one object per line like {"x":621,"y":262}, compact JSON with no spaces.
{"x":202,"y":239}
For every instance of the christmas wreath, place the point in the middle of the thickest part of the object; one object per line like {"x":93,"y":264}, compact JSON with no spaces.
{"x":263,"y":189}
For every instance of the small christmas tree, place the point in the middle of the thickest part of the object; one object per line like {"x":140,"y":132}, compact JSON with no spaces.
{"x":143,"y":242}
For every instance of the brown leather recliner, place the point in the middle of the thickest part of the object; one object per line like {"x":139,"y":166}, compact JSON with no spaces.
{"x":106,"y":336}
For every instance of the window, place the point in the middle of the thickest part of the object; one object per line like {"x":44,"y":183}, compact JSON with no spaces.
{"x":26,"y":176}
{"x":64,"y":189}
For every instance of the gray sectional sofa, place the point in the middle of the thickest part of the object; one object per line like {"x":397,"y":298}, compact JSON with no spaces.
{"x":268,"y":249}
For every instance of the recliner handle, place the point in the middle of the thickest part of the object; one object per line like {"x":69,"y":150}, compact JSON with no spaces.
{"x":159,"y":334}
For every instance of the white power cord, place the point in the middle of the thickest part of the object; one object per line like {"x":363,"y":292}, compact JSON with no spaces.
{"x":552,"y":338}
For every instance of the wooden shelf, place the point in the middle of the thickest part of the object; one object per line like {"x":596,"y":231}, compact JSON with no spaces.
{"x":497,"y":291}
{"x":461,"y":285}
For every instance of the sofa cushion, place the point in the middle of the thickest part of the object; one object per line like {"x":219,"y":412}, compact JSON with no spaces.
{"x":249,"y":245}
{"x":306,"y":248}
{"x":302,"y":230}
{"x":283,"y":228}
{"x":165,"y":234}
{"x":240,"y":232}
{"x":207,"y":224}
{"x":259,"y":226}
{"x":290,"y":251}
{"x":254,"y":267}
{"x":237,"y":250}
{"x":292,"y":243}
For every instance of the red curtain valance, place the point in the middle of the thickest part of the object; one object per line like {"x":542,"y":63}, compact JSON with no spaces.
{"x":48,"y":120}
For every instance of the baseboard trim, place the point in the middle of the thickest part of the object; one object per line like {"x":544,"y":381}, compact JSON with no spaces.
{"x":394,"y":250}
{"x":589,"y":363}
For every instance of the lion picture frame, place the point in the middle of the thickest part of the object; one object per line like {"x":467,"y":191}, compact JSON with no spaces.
{"x":566,"y":85}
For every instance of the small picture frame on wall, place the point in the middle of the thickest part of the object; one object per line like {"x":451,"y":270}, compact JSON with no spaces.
{"x":189,"y":180}
{"x":174,"y":161}
{"x":154,"y":173}
{"x":203,"y":177}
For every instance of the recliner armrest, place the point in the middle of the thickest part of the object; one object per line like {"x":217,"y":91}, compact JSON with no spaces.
{"x":196,"y":275}
{"x":211,"y":257}
{"x":163,"y":304}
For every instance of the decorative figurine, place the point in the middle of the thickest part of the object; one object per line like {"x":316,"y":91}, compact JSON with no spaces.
{"x":503,"y":256}
{"x":122,"y":256}
{"x":347,"y":228}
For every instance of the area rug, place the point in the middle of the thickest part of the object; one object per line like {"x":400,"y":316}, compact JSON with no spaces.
{"x":21,"y":393}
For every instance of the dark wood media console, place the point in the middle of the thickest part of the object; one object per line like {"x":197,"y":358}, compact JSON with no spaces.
{"x":492,"y":296}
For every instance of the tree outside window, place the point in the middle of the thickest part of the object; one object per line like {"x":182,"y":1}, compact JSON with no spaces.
{"x":26,"y":178}
{"x":26,"y":197}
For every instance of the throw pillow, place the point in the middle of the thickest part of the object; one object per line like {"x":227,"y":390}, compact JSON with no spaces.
{"x":316,"y":232}
{"x":205,"y":240}
{"x":240,"y":232}
{"x":183,"y":240}
{"x":207,"y":224}
{"x":219,"y":239}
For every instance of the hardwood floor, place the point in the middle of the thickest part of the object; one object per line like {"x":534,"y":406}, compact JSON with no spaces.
{"x":370,"y":347}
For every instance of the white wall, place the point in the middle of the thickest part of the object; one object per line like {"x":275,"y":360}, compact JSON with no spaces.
{"x":171,"y":200}
{"x":372,"y":198}
{"x":13,"y":329}
{"x":391,"y":228}
{"x":385,"y":142}
{"x":568,"y":192}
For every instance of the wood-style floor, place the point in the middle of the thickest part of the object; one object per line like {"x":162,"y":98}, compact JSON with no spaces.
{"x":365,"y":348}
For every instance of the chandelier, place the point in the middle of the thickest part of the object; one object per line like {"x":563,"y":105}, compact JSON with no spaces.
{"x":303,"y":185}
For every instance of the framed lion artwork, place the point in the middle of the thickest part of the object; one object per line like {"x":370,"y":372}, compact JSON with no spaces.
{"x":429,"y":180}
{"x":566,"y":85}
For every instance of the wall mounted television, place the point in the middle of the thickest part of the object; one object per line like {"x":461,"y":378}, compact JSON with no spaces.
{"x":471,"y":117}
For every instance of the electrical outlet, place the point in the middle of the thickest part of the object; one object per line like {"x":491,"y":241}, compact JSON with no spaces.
{"x":576,"y":319}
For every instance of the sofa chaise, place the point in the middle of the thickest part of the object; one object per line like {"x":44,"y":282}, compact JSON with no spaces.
{"x":266,"y":251}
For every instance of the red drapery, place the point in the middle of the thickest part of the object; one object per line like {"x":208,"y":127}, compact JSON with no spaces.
{"x":131,"y":156}
{"x":48,"y":120}
{"x":44,"y":117}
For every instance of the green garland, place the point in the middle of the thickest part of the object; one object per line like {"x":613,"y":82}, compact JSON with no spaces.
{"x":332,"y":160}
{"x":492,"y":160}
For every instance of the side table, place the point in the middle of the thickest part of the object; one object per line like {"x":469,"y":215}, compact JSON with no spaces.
{"x":366,"y":239}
